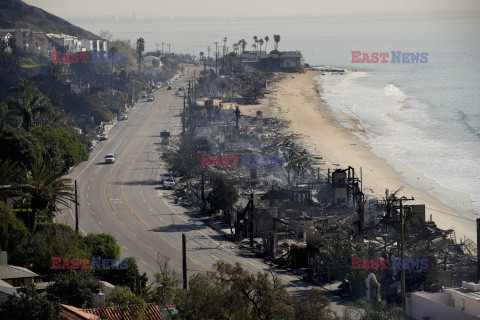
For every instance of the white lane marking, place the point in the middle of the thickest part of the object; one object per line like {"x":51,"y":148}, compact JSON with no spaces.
{"x":143,"y":262}
{"x":73,"y":217}
{"x":217,"y":243}
{"x":99,"y":223}
{"x":99,"y":152}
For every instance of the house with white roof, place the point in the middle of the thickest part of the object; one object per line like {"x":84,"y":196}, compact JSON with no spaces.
{"x":461,"y":303}
{"x":12,"y":277}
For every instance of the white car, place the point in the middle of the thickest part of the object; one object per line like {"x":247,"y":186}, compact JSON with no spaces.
{"x":103,"y":136}
{"x":150,"y":98}
{"x":168,"y":182}
{"x":109,"y":158}
{"x":123,"y":117}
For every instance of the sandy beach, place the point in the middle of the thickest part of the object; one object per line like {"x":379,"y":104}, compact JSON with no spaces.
{"x":297,"y":98}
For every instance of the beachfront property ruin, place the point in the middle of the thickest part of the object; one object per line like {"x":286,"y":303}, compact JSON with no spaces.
{"x":285,"y":61}
{"x":303,"y":215}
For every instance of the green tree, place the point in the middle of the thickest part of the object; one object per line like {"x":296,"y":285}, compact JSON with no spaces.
{"x":29,"y":305}
{"x":336,"y":260}
{"x":165,"y":290}
{"x":20,"y":146}
{"x":140,"y":48}
{"x":61,"y":144}
{"x":183,"y":154}
{"x":276,"y":39}
{"x":260,"y":42}
{"x":266,"y":43}
{"x":35,"y":108}
{"x":224,"y":195}
{"x":10,"y":177}
{"x":313,"y":306}
{"x":243,"y":43}
{"x":75,"y":288}
{"x":45,"y":187}
{"x":123,"y":296}
{"x":129,"y":277}
{"x":12,"y":230}
{"x":101,"y":245}
{"x":376,"y":310}
{"x":50,"y":240}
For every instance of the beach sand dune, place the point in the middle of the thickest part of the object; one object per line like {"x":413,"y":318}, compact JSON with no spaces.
{"x":297,"y":98}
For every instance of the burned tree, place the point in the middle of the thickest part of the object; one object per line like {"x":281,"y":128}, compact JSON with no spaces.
{"x":223,"y":196}
{"x":183,"y":155}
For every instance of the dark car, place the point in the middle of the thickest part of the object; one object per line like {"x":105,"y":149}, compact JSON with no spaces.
{"x":169,"y":88}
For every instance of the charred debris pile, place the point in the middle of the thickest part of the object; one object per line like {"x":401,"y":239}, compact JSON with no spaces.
{"x":297,"y":213}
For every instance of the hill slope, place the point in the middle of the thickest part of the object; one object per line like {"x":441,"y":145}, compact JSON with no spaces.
{"x":17,"y":14}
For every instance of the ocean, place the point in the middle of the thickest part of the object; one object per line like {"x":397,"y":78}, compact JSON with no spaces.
{"x":423,"y":118}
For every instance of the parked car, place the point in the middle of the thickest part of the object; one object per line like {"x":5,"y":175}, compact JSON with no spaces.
{"x":103,"y":136}
{"x":177,"y":93}
{"x":150,"y":98}
{"x":169,"y":88}
{"x":169,"y":183}
{"x":181,"y":89}
{"x":144,"y":95}
{"x":109,"y":158}
{"x":123,"y":116}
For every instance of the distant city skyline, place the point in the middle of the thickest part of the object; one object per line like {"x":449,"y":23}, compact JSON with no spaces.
{"x":245,"y":8}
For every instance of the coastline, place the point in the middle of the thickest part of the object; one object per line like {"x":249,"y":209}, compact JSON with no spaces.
{"x":297,"y":99}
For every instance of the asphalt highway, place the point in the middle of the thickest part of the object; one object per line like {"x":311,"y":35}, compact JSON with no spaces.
{"x":125,"y":199}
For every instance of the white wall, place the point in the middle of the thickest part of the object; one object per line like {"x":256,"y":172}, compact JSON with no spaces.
{"x":434,"y":305}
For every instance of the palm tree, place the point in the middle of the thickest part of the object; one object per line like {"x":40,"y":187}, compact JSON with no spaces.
{"x":276,"y":39}
{"x":243,"y":44}
{"x":10,"y":177}
{"x":390,"y":201}
{"x":224,"y":45}
{"x":34,"y":108}
{"x":260,"y":42}
{"x":45,"y":187}
{"x":266,"y":42}
{"x":255,"y":38}
{"x":140,"y":48}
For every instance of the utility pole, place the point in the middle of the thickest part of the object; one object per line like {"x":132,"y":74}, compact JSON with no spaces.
{"x":76,"y":207}
{"x":402,"y":244}
{"x":183,"y":115}
{"x":163,"y":52}
{"x":169,"y":49}
{"x":478,"y":250}
{"x":209,"y":62}
{"x":203,"y":192}
{"x":216,"y":56}
{"x":250,"y":218}
{"x":184,"y":260}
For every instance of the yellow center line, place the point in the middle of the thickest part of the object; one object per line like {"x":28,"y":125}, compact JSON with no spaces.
{"x":105,"y":191}
{"x":132,"y":211}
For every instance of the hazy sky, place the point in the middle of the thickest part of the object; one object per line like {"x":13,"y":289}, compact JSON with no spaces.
{"x":236,"y":8}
